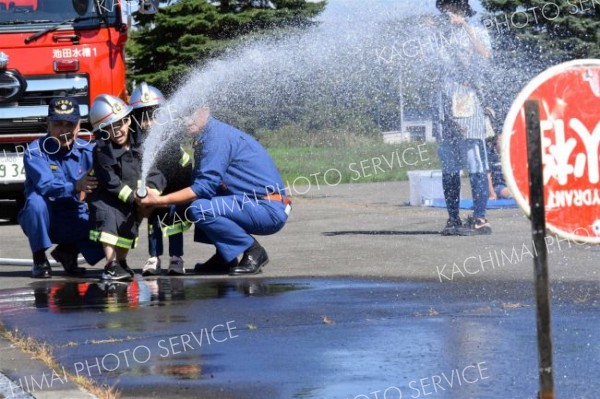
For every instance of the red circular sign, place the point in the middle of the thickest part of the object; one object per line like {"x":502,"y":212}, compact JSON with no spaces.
{"x":569,"y":98}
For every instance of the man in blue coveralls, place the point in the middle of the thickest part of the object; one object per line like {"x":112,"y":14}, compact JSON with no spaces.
{"x":236,"y":192}
{"x":56,"y":169}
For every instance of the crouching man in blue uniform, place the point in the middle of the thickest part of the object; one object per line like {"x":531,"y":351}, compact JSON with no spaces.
{"x":236,"y":192}
{"x":55,"y":175}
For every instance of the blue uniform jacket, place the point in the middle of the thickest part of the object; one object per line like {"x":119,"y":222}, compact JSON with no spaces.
{"x":53,"y":173}
{"x":231,"y":162}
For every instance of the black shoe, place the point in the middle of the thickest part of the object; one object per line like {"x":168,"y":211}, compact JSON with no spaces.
{"x":125,"y":266}
{"x":114,"y":272}
{"x":68,"y":260}
{"x":451,"y":228}
{"x":41,"y":270}
{"x":215,"y":265}
{"x":254,"y":258}
{"x":475,"y":227}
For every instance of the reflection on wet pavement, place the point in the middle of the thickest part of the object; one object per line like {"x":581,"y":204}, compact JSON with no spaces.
{"x":112,"y":296}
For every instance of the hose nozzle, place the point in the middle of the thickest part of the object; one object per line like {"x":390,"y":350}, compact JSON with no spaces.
{"x":141,"y":192}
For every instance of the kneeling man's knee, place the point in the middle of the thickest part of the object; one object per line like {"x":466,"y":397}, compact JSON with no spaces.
{"x":35,"y":203}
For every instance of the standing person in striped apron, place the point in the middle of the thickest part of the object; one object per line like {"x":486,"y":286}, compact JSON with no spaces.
{"x":462,"y":140}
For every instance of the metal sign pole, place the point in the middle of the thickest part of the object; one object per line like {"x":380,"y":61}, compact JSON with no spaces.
{"x":540,"y":260}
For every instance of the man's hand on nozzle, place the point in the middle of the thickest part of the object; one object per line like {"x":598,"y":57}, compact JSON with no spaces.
{"x":87,"y":184}
{"x":150,"y":200}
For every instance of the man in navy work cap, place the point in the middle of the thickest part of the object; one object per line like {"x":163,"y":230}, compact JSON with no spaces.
{"x":236,"y":192}
{"x":56,"y":169}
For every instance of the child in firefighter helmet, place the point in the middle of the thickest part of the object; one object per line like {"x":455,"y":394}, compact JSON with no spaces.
{"x":175,"y":165}
{"x":117,"y":167}
{"x":145,"y":102}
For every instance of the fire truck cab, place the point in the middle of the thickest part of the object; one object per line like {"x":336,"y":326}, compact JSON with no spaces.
{"x":52,"y":48}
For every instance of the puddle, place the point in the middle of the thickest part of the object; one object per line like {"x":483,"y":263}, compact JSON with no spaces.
{"x":115,"y":296}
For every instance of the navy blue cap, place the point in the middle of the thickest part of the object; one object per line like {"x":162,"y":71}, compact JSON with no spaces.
{"x":64,"y":109}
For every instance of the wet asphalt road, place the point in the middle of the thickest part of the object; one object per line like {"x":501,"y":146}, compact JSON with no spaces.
{"x":311,"y":338}
{"x":351,"y":306}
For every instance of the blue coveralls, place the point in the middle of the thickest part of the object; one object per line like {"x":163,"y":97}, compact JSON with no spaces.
{"x":53,"y":211}
{"x":233,"y":175}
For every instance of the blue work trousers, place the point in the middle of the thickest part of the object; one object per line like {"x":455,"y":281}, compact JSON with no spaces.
{"x":228,"y":222}
{"x":46,"y":222}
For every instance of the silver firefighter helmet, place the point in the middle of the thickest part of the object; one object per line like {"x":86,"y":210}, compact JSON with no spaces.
{"x":107,"y":110}
{"x":146,"y":96}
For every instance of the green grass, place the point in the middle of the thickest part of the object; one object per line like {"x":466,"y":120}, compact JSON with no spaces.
{"x":369,"y":161}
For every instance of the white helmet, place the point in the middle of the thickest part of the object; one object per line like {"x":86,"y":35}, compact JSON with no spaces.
{"x":146,"y":96}
{"x":107,"y":110}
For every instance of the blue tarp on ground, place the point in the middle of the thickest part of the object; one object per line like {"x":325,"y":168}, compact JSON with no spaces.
{"x":468,"y":204}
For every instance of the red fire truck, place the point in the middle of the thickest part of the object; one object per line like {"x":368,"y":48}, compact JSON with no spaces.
{"x":52,"y":48}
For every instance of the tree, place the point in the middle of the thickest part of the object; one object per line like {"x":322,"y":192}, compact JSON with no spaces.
{"x":557,"y":30}
{"x":188,"y":33}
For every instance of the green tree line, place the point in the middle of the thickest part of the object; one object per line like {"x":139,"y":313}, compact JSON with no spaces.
{"x":165,"y":46}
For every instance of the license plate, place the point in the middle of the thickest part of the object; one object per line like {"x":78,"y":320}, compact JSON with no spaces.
{"x":11,"y":168}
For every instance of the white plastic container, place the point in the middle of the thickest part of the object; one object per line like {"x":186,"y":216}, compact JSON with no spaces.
{"x":425,"y":187}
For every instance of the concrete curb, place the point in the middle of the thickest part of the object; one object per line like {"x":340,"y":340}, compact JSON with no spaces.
{"x":20,"y":369}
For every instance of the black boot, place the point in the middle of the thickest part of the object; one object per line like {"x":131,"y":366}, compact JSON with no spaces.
{"x":41,"y":266}
{"x":67,"y":257}
{"x":215,"y":265}
{"x":254,"y":258}
{"x":41,"y":270}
